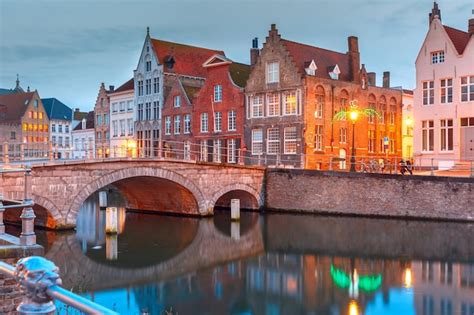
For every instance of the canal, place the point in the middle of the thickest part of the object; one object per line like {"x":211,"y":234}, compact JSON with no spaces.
{"x":267,"y":264}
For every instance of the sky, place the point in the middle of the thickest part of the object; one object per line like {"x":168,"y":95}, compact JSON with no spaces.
{"x":66,"y":48}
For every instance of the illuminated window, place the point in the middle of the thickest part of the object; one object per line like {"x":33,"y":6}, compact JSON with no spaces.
{"x":371,"y":117}
{"x":319,"y":103}
{"x":318,"y":138}
{"x":290,"y":103}
{"x":290,"y":137}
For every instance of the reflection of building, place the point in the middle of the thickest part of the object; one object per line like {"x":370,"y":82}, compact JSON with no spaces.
{"x":444,"y":98}
{"x":443,"y":288}
{"x":122,"y":143}
{"x":83,"y":137}
{"x":60,"y":126}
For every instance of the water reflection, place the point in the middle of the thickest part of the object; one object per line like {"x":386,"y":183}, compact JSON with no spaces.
{"x":275,"y":264}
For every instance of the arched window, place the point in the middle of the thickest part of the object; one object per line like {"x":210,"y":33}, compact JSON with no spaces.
{"x":319,"y":106}
{"x":371,"y":117}
{"x":393,"y":110}
{"x":344,"y":101}
{"x":148,"y":63}
{"x":382,"y":109}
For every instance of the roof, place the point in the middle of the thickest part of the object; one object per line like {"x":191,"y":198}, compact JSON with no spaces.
{"x":79,"y":115}
{"x":303,"y":54}
{"x":458,"y":38}
{"x":13,"y":106}
{"x":239,"y":73}
{"x":89,"y":122}
{"x":127,"y":86}
{"x":55,"y":109}
{"x":187,"y":59}
{"x":190,"y":91}
{"x":6,"y":91}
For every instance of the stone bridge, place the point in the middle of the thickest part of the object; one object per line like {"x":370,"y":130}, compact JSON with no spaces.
{"x":178,"y":187}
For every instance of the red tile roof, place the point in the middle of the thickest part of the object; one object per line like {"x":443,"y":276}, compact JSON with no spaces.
{"x":303,"y":54}
{"x":188,"y":60}
{"x":458,"y":37}
{"x":90,"y":122}
{"x":13,"y":106}
{"x":127,"y":86}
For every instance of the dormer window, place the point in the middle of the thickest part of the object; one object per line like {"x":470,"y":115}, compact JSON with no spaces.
{"x":334,"y":72}
{"x":437,"y":57}
{"x":311,"y":68}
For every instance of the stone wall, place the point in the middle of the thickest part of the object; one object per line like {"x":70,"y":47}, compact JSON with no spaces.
{"x":370,"y":194}
{"x":10,"y":294}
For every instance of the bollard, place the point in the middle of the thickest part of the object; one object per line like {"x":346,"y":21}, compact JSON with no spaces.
{"x":35,"y":275}
{"x":432,"y":167}
{"x":102,"y":199}
{"x":235,"y":230}
{"x":235,"y":209}
{"x":2,"y":225}
{"x":111,"y":247}
{"x":111,"y":222}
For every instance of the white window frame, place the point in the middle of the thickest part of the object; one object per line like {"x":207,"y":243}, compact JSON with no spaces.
{"x":217,"y":121}
{"x":204,"y":123}
{"x":231,"y":148}
{"x":285,"y":102}
{"x":273,"y":72}
{"x":256,"y":106}
{"x":217,"y":151}
{"x":371,"y":141}
{"x":427,"y":129}
{"x":232,"y":120}
{"x":177,"y":101}
{"x":290,"y":140}
{"x":446,"y":135}
{"x":187,"y":123}
{"x":446,"y":91}
{"x":342,"y":135}
{"x":217,"y":93}
{"x":177,"y":125}
{"x":168,"y":125}
{"x":257,"y":141}
{"x":318,"y":138}
{"x":273,"y":104}
{"x":467,"y":88}
{"x":437,"y":57}
{"x":273,"y":141}
{"x":428,"y":93}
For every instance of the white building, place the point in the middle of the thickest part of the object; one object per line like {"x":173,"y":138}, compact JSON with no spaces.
{"x":60,"y":127}
{"x":122,"y":143}
{"x":83,"y":137}
{"x":444,"y":95}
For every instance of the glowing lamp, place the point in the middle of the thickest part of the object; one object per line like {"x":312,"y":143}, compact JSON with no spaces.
{"x":353,"y":115}
{"x":408,"y":121}
{"x":131,"y":144}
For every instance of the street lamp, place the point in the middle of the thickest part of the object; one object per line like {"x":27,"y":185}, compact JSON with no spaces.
{"x":353,"y":115}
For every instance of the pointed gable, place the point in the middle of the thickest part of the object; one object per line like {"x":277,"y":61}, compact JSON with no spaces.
{"x":216,"y":60}
{"x":183,"y":59}
{"x":459,"y":38}
{"x":302,"y":53}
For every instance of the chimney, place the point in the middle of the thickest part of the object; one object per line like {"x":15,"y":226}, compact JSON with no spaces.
{"x":386,"y":79}
{"x":83,"y":123}
{"x":371,"y":78}
{"x":111,"y":88}
{"x":254,"y":52}
{"x":470,"y":28}
{"x":76,"y":110}
{"x":354,"y":58}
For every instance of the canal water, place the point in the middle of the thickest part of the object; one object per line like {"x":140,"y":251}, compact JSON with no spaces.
{"x":267,"y":264}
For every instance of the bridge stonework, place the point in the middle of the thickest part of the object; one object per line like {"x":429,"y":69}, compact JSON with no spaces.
{"x":169,"y":186}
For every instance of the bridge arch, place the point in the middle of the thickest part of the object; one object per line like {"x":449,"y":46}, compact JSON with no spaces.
{"x":248,"y":193}
{"x":128,"y":173}
{"x":45,"y":210}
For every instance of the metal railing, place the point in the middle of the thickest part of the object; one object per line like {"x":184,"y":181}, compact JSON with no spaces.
{"x":40,"y":284}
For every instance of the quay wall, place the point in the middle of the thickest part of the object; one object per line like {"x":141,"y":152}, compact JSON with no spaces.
{"x":424,"y":197}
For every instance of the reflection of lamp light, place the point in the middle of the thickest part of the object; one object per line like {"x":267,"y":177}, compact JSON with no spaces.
{"x":353,"y":308}
{"x":408,"y":121}
{"x":407,"y":279}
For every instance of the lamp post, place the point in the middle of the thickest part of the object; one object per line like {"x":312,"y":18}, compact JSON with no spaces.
{"x":353,"y":115}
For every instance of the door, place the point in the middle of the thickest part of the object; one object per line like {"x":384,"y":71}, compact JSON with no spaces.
{"x":342,"y":157}
{"x":467,"y":143}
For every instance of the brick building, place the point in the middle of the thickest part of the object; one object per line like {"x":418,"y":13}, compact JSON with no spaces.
{"x":292,"y":94}
{"x":102,"y":122}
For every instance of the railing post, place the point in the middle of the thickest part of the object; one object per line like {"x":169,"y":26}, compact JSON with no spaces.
{"x":50,"y":149}
{"x":22,"y":151}
{"x":2,"y":225}
{"x":27,"y":236}
{"x":472,"y":169}
{"x":432,"y":167}
{"x":35,"y":275}
{"x":395,"y":168}
{"x":6,"y":156}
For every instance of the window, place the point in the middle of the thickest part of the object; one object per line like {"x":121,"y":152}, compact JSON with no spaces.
{"x":318,"y":138}
{"x":273,"y":141}
{"x":447,"y":135}
{"x":232,"y":121}
{"x":130,"y":126}
{"x":217,"y":121}
{"x":66,"y":142}
{"x":177,"y":125}
{"x":36,"y":104}
{"x":114,"y":128}
{"x":156,"y":85}
{"x":148,"y":66}
{"x":393,"y":111}
{"x":122,"y":127}
{"x":129,"y":105}
{"x":167,"y":125}
{"x":344,"y":101}
{"x":140,"y":87}
{"x":273,"y":104}
{"x":319,"y":106}
{"x":290,"y":103}
{"x":446,"y":91}
{"x":342,"y":135}
{"x":147,"y":111}
{"x":53,"y":140}
{"x":427,"y":135}
{"x":204,"y":123}
{"x":217,"y":93}
{"x":66,"y":128}
{"x":114,"y":107}
{"x":257,"y":141}
{"x":60,"y":141}
{"x":122,"y":106}
{"x":187,"y":123}
{"x":60,"y":128}
{"x":382,"y":109}
{"x":53,"y":128}
{"x":217,"y":150}
{"x":290,"y":140}
{"x":177,"y":101}
{"x":203,"y":150}
{"x":467,"y":89}
{"x":428,"y":93}
{"x":273,"y":72}
{"x":371,"y":117}
{"x":140,"y":112}
{"x":12,"y":135}
{"x":231,"y":148}
{"x":437,"y":57}
{"x":257,"y":106}
{"x":148,"y":86}
{"x":371,"y":144}
{"x":392,"y":143}
{"x":40,"y":115}
{"x":467,"y":121}
{"x":156,"y":110}
{"x":99,"y":120}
